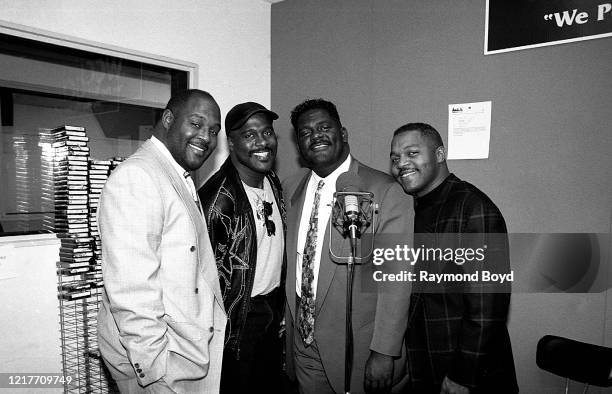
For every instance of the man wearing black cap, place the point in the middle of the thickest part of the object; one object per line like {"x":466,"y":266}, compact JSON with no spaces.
{"x":245,"y":212}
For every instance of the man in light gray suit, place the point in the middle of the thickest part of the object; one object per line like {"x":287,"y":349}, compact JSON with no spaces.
{"x":162,"y":322}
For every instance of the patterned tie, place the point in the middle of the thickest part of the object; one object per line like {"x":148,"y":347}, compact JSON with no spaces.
{"x":307,"y":301}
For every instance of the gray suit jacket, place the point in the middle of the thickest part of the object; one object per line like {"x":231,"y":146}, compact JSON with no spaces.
{"x":162,"y":314}
{"x":379,"y":317}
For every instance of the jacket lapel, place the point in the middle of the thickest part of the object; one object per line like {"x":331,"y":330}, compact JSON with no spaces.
{"x":327,"y":266}
{"x":293,"y":223}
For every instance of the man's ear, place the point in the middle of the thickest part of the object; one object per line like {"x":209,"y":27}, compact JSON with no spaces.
{"x":230,"y":142}
{"x":344,"y":133}
{"x":167,"y":118}
{"x":440,"y":154}
{"x":298,"y":148}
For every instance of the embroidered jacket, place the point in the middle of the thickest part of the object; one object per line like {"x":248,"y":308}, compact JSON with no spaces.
{"x":233,"y":236}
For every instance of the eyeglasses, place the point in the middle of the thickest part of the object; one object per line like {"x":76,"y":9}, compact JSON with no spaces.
{"x":267,"y":213}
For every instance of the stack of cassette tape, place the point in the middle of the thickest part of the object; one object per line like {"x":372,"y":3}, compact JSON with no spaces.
{"x":99,"y":170}
{"x":71,"y":207}
{"x":68,"y":186}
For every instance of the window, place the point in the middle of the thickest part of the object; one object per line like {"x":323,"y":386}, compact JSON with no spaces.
{"x":115,"y":95}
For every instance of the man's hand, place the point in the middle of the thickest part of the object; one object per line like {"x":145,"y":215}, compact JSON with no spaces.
{"x":378,"y":373}
{"x":450,"y":387}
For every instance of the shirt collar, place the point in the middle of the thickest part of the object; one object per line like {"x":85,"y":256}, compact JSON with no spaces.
{"x":333,"y":177}
{"x":166,"y":153}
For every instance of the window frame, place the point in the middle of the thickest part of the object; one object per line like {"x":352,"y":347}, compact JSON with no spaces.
{"x":54,"y":38}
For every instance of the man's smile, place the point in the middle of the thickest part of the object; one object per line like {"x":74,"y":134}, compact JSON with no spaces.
{"x":406,"y":173}
{"x":198,"y":145}
{"x":319,"y":145}
{"x":262,"y":155}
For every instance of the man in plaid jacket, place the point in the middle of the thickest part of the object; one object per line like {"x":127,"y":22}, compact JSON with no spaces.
{"x":457,"y":341}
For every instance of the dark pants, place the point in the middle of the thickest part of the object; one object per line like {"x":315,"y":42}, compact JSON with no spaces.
{"x":258,"y":367}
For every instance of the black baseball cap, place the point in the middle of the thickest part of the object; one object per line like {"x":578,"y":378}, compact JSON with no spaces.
{"x":238,"y":115}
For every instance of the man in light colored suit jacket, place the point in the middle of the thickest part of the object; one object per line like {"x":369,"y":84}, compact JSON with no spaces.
{"x":316,"y":345}
{"x":162,"y":321}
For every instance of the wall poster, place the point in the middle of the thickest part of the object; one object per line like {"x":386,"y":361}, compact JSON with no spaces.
{"x":522,"y":24}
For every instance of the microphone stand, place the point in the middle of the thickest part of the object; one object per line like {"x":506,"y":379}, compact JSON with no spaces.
{"x":353,"y":229}
{"x":350,"y":273}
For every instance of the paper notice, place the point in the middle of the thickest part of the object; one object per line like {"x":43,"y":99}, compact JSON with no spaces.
{"x":469,"y":130}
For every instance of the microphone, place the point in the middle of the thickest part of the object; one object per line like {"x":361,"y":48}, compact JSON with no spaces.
{"x":352,"y":212}
{"x":352,"y":208}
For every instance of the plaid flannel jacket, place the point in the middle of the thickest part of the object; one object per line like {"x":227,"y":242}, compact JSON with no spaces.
{"x":460,"y":335}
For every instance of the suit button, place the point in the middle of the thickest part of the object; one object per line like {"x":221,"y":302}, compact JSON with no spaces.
{"x":142,"y":375}
{"x":196,"y":290}
{"x":211,"y":329}
{"x":137,"y":365}
{"x":139,"y":370}
{"x":192,"y":248}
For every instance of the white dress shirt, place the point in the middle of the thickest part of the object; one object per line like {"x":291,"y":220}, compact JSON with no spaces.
{"x":179,"y":170}
{"x":325,"y":209}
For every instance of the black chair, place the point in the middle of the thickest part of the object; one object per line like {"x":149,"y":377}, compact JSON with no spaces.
{"x":579,"y":361}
